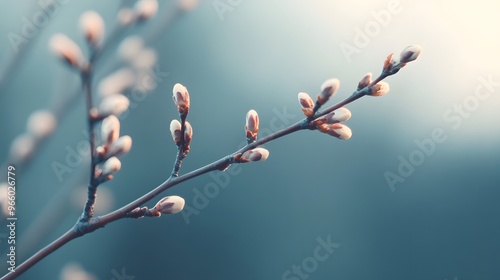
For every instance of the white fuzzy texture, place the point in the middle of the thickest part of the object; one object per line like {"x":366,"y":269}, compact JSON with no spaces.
{"x":188,"y":131}
{"x":110,"y":129}
{"x":410,"y":53}
{"x":145,"y":59}
{"x":339,"y":115}
{"x":66,"y":49}
{"x":111,"y":166}
{"x":22,"y":147}
{"x":329,"y":88}
{"x":117,"y":82}
{"x":187,"y":5}
{"x":93,"y":28}
{"x":252,"y":121}
{"x":175,"y":128}
{"x":381,"y":88}
{"x":257,"y":154}
{"x":125,"y":16}
{"x":130,"y":47}
{"x":305,"y":100}
{"x":120,"y":147}
{"x":170,"y":204}
{"x":146,"y":9}
{"x":74,"y":271}
{"x":344,"y":132}
{"x":113,"y":105}
{"x":41,"y":124}
{"x":180,"y":95}
{"x":365,"y":81}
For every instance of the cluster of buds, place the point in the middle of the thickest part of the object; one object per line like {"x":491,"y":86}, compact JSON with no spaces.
{"x":328,"y":89}
{"x":142,"y":11}
{"x":251,"y":131}
{"x":112,"y":147}
{"x":330,"y":123}
{"x":392,"y":64}
{"x":181,"y":131}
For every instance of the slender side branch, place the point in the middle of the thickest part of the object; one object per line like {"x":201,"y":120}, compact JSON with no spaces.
{"x":133,"y":210}
{"x":88,"y":210}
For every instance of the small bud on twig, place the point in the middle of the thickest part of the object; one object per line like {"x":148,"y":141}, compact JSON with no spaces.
{"x":68,"y":50}
{"x":120,"y":147}
{"x":112,"y":105}
{"x":130,"y":47}
{"x":188,"y":133}
{"x":188,"y":136}
{"x":339,"y":115}
{"x":257,"y":154}
{"x":92,"y":26}
{"x":117,"y":82}
{"x":252,"y":125}
{"x":22,"y":147}
{"x":110,"y":129}
{"x":41,"y":124}
{"x":170,"y":205}
{"x":410,"y":53}
{"x":125,"y":16}
{"x":145,"y":9}
{"x":379,"y":89}
{"x":111,"y":166}
{"x":175,"y":131}
{"x":181,"y":98}
{"x":307,"y":104}
{"x":391,"y":65}
{"x":187,"y":5}
{"x":337,"y":130}
{"x":328,"y":89}
{"x":365,"y":81}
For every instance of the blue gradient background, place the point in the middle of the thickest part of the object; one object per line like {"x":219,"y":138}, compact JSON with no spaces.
{"x":441,"y":223}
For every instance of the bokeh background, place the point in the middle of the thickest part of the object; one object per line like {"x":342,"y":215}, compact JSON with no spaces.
{"x":440,"y":222}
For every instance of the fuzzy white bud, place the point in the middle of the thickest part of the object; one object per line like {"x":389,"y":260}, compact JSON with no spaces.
{"x":117,"y":82}
{"x":379,"y":89}
{"x":188,"y":133}
{"x":22,"y":147}
{"x":181,"y":98}
{"x":130,"y":47}
{"x":328,"y":89}
{"x":175,"y":131}
{"x":145,"y":9}
{"x":365,"y":81}
{"x":125,"y":16}
{"x":111,"y":166}
{"x":339,"y":115}
{"x":120,"y":147}
{"x":252,"y":124}
{"x":110,"y":129}
{"x":170,"y":205}
{"x":257,"y":154}
{"x":187,"y":5}
{"x":93,"y":28}
{"x":113,"y":105}
{"x":337,"y":130}
{"x":145,"y":59}
{"x":41,"y":124}
{"x":410,"y":53}
{"x":67,"y":50}
{"x":307,"y":104}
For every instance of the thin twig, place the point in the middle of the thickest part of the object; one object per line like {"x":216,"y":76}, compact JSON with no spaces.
{"x":95,"y":223}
